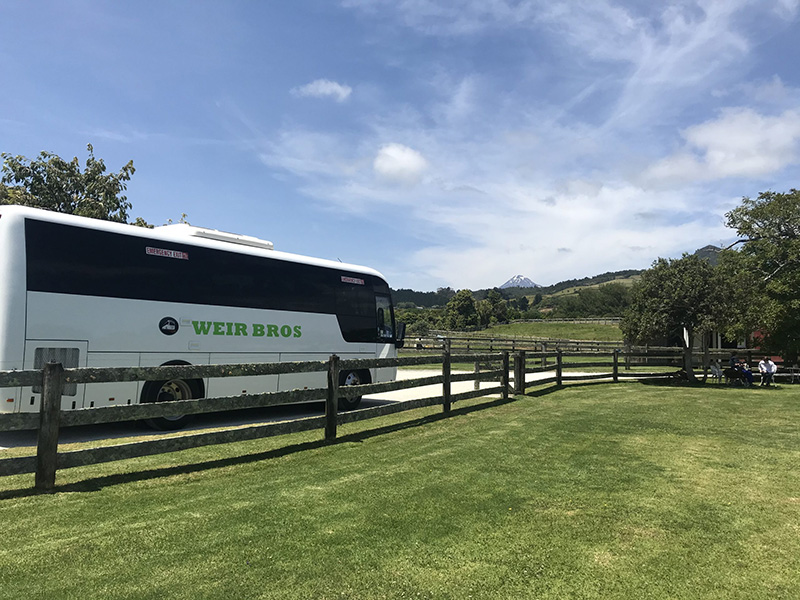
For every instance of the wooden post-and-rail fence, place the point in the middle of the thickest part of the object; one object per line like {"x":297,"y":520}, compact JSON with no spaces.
{"x":550,"y":367}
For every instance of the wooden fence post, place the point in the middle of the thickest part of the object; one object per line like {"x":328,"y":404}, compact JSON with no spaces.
{"x":519,"y":372}
{"x":616,"y":365}
{"x":446,"y":403}
{"x":49,"y":423}
{"x":505,"y":380}
{"x":559,"y":367}
{"x":332,"y":399}
{"x":477,"y":385}
{"x":544,"y":353}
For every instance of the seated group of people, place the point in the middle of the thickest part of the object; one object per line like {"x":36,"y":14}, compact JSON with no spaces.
{"x":766,"y":367}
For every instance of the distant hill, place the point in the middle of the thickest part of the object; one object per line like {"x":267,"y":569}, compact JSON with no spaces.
{"x":587,"y":281}
{"x":442,"y":295}
{"x":710,"y":253}
{"x":426,"y":299}
{"x":519,"y":281}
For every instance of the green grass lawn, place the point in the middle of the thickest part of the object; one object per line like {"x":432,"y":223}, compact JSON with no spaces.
{"x":559,"y":330}
{"x":593,"y":491}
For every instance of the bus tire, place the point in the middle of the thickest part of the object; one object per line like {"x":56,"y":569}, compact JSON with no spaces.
{"x":351,"y":378}
{"x":167,"y":391}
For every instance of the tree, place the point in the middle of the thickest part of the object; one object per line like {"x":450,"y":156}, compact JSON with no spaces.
{"x":499,"y":306}
{"x":460,"y":312}
{"x":768,"y":262}
{"x":54,"y":184}
{"x":444,"y":295}
{"x":673,"y":302}
{"x":484,"y":310}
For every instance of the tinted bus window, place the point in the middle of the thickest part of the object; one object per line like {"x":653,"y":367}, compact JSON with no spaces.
{"x":75,"y":260}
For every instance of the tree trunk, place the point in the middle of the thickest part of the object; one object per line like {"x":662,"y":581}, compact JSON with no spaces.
{"x":688,"y":344}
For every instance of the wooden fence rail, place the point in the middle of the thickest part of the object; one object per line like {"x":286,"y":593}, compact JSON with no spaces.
{"x":52,"y":378}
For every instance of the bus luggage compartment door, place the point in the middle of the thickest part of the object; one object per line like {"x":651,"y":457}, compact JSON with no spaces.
{"x":71,"y":354}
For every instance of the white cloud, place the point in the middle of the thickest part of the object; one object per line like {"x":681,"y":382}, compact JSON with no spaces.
{"x":740,"y":143}
{"x":399,"y":164}
{"x":322,"y":88}
{"x":589,"y":229}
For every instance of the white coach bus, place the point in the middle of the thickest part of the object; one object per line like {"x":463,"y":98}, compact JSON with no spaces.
{"x":90,"y":293}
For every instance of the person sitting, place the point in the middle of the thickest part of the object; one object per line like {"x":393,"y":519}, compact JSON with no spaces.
{"x":767,"y":368}
{"x":716,"y":372}
{"x":745,"y":369}
{"x":741,"y":367}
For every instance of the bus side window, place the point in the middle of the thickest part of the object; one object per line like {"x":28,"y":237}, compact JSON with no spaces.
{"x":385,"y":330}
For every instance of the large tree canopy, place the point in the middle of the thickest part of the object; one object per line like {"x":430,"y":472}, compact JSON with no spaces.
{"x":753,"y":290}
{"x":768,"y":265}
{"x":52,"y":183}
{"x":769,"y":227}
{"x":674,"y":301}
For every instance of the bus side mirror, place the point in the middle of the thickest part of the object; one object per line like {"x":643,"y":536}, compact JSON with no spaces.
{"x":400,"y":338}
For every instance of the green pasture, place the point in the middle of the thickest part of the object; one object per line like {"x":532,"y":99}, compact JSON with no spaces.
{"x":603,"y":491}
{"x":628,"y":281}
{"x":559,"y":330}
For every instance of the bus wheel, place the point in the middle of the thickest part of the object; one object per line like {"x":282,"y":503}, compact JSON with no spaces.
{"x":351,"y":378}
{"x":168,"y":391}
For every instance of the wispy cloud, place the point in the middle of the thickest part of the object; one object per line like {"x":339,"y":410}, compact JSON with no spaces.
{"x":310,"y":154}
{"x":124,"y":136}
{"x":324,"y":88}
{"x":617,"y":168}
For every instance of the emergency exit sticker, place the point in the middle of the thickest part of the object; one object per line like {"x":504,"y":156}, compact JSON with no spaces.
{"x":166,"y":253}
{"x":354,"y":280}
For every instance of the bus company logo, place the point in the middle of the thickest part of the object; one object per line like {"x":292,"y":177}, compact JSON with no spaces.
{"x":166,"y":253}
{"x":168,"y":326}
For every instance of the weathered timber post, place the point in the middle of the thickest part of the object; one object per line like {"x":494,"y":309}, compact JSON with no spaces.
{"x":559,"y":367}
{"x":477,"y":385}
{"x":505,"y":380}
{"x":332,"y":398}
{"x":519,"y":372}
{"x":616,"y":365}
{"x":49,"y":423}
{"x":544,"y":354}
{"x":446,"y":403}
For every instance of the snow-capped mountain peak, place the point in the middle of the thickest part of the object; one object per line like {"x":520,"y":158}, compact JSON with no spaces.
{"x":519,"y":281}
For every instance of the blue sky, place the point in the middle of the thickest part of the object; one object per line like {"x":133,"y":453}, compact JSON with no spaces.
{"x":444,"y":143}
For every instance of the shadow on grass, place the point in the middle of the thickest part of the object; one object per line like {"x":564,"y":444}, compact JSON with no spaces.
{"x":678,"y":382}
{"x":98,"y":483}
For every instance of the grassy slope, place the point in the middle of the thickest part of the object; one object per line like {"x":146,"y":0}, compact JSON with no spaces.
{"x":578,"y":288}
{"x":604,"y":491}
